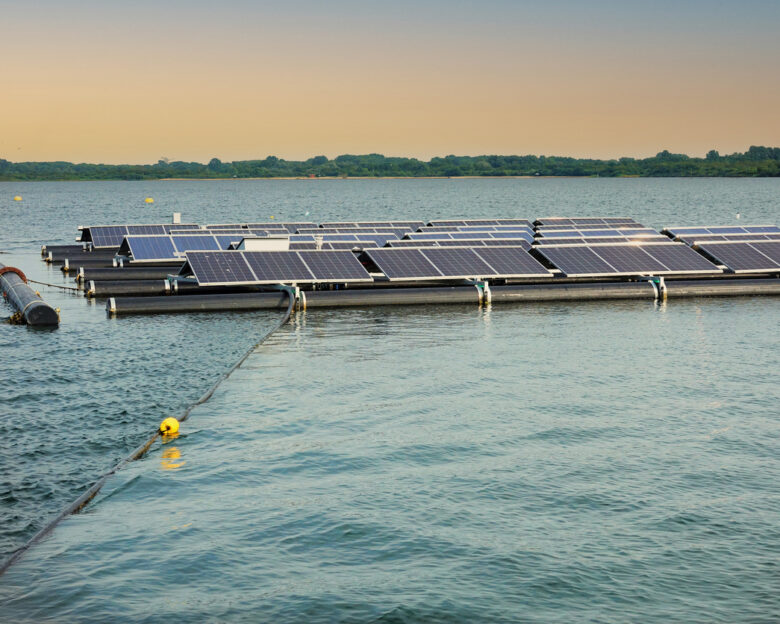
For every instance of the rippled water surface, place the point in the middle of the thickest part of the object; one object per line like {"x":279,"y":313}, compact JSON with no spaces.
{"x":602,"y":462}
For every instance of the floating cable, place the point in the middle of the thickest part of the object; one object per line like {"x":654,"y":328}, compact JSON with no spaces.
{"x":53,"y":285}
{"x":77,"y":505}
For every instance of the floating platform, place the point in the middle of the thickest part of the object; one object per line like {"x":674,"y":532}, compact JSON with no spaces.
{"x":160,"y":268}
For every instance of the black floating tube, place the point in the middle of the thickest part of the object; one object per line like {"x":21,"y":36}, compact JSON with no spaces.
{"x":197,"y":303}
{"x":441,"y":295}
{"x":722,"y":288}
{"x":30,"y":306}
{"x":45,"y":249}
{"x":574,"y":292}
{"x":74,"y":256}
{"x":394,"y":296}
{"x":125,"y":273}
{"x":127,"y":287}
{"x":74,"y":264}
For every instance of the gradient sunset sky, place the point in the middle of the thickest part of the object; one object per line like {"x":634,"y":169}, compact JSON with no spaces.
{"x":132,"y":82}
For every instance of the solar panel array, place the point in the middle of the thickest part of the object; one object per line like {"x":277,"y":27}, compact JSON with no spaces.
{"x":593,"y":240}
{"x":753,"y":257}
{"x":420,"y":236}
{"x":455,"y":263}
{"x":226,"y":268}
{"x":737,"y":238}
{"x":587,"y":233}
{"x":626,"y":259}
{"x":483,"y":242}
{"x":580,"y":222}
{"x":407,"y":225}
{"x":701,"y":232}
{"x":102,"y":236}
{"x":312,"y":245}
{"x":174,"y":246}
{"x":468,"y":222}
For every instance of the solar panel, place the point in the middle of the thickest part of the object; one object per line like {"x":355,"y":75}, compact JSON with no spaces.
{"x":512,"y":262}
{"x":335,"y":266}
{"x":174,"y":227}
{"x":593,"y":240}
{"x":722,"y":229}
{"x":146,"y":248}
{"x":108,"y":236}
{"x":458,"y":262}
{"x":403,"y":264}
{"x":577,"y":261}
{"x":186,"y":243}
{"x":584,"y":221}
{"x":631,"y":259}
{"x":218,"y":268}
{"x":584,"y":233}
{"x":278,"y":266}
{"x":145,"y":229}
{"x":694,"y":239}
{"x":745,"y":257}
{"x":679,"y":258}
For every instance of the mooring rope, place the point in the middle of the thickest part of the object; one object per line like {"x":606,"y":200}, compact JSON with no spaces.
{"x":87,"y":496}
{"x":54,"y":285}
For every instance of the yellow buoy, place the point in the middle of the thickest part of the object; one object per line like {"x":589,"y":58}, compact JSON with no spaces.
{"x":169,"y":426}
{"x":17,"y":198}
{"x":149,"y":200}
{"x":272,"y":216}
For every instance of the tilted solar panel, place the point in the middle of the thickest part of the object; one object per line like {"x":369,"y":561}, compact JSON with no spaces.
{"x":146,"y":248}
{"x":186,"y":243}
{"x":108,"y":236}
{"x":629,"y":259}
{"x":577,"y":261}
{"x":745,"y":257}
{"x":680,"y":258}
{"x":457,"y":262}
{"x":278,"y":266}
{"x":403,"y":264}
{"x":217,"y":268}
{"x":512,"y":262}
{"x":339,"y":266}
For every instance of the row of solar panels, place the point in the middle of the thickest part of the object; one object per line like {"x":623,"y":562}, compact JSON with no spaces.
{"x":112,"y":236}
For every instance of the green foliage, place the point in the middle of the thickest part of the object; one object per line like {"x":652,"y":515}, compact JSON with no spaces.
{"x":757,"y":161}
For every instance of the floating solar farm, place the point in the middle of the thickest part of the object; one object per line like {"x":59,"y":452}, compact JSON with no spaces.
{"x":246,"y":265}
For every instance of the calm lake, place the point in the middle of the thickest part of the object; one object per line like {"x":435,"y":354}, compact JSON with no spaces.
{"x":592,"y":462}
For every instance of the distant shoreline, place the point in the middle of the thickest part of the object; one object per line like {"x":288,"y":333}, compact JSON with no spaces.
{"x":757,"y":161}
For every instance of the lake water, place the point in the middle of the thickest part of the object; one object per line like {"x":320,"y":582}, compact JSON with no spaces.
{"x":588,"y":462}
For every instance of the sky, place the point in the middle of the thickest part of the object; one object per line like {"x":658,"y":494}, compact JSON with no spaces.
{"x":133,"y":82}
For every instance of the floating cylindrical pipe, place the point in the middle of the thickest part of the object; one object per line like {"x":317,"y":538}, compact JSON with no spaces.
{"x":29,"y":306}
{"x":197,"y":303}
{"x":127,"y":287}
{"x":441,"y":295}
{"x":125,"y":273}
{"x":74,"y":264}
{"x":722,"y":288}
{"x":59,"y":257}
{"x":45,"y":249}
{"x":571,"y":292}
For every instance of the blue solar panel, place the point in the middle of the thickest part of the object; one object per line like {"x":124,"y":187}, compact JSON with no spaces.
{"x":215,"y":268}
{"x":187,"y":243}
{"x":335,"y":266}
{"x":757,"y":257}
{"x":145,"y":248}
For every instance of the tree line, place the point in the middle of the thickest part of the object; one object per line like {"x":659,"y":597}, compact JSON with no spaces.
{"x":755,"y":162}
